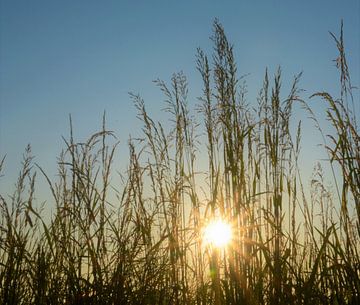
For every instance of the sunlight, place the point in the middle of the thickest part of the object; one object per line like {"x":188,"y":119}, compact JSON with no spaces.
{"x":218,"y":233}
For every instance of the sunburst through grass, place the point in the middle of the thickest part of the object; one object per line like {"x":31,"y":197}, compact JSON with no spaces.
{"x":218,"y":233}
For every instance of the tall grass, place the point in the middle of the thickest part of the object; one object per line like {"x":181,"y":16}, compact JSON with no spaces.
{"x":136,"y":238}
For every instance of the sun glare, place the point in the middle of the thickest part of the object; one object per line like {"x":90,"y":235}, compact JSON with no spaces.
{"x":217,"y":233}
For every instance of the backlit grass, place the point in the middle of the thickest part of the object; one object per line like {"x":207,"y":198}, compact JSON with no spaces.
{"x":138,"y":237}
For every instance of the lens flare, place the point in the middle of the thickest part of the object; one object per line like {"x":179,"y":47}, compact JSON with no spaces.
{"x":217,"y":233}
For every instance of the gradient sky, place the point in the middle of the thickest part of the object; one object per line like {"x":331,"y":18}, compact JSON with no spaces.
{"x":83,"y":57}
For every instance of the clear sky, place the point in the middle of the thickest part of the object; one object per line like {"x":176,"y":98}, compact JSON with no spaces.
{"x":83,"y":57}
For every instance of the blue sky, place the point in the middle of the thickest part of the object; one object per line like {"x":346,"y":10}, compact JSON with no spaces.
{"x":83,"y":57}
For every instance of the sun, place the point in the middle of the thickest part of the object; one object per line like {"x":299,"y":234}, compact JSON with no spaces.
{"x":218,"y":233}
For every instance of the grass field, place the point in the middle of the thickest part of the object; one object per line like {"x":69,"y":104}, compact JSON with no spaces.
{"x":138,"y":237}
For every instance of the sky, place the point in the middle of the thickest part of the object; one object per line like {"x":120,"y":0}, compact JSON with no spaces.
{"x":84,"y":57}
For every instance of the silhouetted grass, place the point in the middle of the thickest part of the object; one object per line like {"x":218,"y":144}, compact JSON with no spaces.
{"x":137,"y":238}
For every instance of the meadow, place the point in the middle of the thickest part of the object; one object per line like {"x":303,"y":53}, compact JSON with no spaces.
{"x":137,"y":237}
